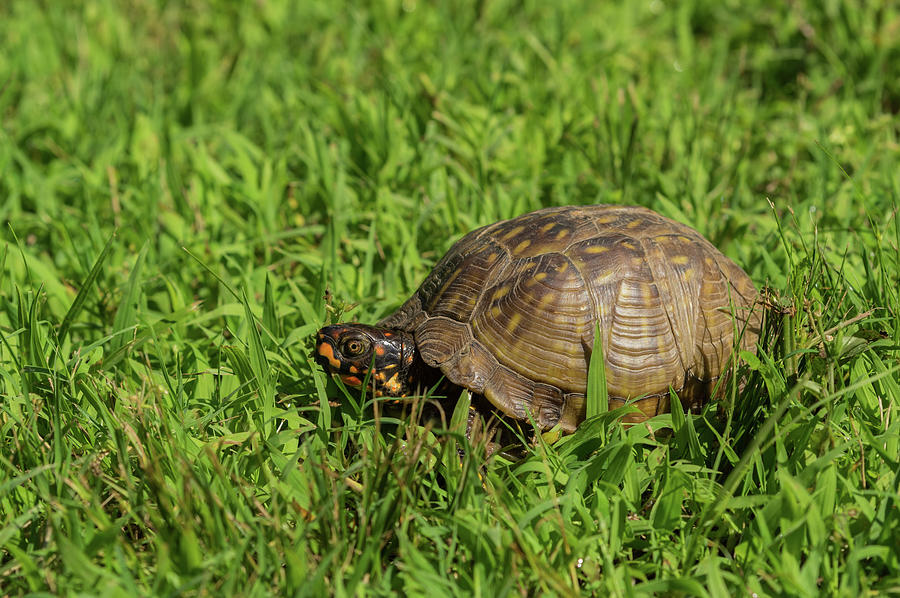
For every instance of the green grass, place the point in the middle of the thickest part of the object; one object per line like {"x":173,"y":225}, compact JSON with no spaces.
{"x":189,"y":190}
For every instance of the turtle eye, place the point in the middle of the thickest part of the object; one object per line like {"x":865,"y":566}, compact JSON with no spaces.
{"x":354,"y":347}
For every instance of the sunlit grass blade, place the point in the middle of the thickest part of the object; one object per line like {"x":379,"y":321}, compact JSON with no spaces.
{"x":259,"y":366}
{"x":126,"y":313}
{"x":597,"y":392}
{"x":86,"y":288}
{"x":270,"y":319}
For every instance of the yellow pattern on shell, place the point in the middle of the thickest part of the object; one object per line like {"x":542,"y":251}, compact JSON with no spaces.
{"x":521,"y":247}
{"x":514,"y":320}
{"x":512,"y":233}
{"x":500,"y":293}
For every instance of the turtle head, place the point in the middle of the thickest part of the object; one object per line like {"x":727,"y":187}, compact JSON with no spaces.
{"x":355,"y":351}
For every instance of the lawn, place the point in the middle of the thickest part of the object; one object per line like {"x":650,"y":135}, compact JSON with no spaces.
{"x":188,"y":191}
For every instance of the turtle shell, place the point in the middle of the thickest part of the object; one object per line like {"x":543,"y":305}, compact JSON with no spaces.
{"x":511,"y":310}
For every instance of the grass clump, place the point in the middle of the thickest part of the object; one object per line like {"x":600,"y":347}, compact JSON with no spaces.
{"x":189,"y":192}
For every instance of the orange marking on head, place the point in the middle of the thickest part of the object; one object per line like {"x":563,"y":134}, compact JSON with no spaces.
{"x":379,"y":350}
{"x":327,"y":351}
{"x":393,"y":385}
{"x":351,"y":380}
{"x":353,"y":369}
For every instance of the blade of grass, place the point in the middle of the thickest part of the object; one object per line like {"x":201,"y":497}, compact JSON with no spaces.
{"x":597,"y":392}
{"x":126,"y":313}
{"x":86,"y":287}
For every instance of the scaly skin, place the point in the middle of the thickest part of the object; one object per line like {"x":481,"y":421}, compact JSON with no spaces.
{"x":388,"y":357}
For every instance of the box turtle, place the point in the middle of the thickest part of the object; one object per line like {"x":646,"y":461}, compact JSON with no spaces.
{"x":510,"y":313}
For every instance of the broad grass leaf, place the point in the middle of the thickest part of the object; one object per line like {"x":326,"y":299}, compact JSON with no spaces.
{"x":126,"y":314}
{"x":86,"y":287}
{"x":666,"y":513}
{"x":597,"y":392}
{"x":270,"y":319}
